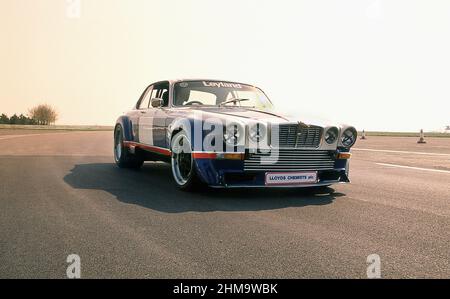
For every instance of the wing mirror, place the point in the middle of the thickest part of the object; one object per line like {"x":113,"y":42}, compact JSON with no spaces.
{"x":157,"y":102}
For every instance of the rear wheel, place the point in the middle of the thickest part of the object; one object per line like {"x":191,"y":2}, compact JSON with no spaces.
{"x":182,"y":162}
{"x":123,"y":158}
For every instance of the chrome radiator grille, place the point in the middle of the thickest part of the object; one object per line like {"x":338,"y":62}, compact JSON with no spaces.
{"x":296,"y":136}
{"x":290,"y":160}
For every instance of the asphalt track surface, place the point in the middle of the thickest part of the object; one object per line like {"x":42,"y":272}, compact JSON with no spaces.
{"x":61,"y":194}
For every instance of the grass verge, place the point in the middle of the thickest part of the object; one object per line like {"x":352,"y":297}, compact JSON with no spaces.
{"x":57,"y":128}
{"x":406,"y":134}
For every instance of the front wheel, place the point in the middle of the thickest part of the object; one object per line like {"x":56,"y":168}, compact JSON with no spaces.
{"x":122,"y":157}
{"x":182,"y":161}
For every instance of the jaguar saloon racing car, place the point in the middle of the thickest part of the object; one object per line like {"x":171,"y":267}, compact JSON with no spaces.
{"x":227,"y":134}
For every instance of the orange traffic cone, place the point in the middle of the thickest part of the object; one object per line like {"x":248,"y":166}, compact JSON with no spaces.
{"x":422,"y":138}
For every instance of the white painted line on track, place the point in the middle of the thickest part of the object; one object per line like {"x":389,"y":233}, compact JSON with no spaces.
{"x":6,"y":137}
{"x":12,"y":136}
{"x":414,"y":168}
{"x":399,"y":152}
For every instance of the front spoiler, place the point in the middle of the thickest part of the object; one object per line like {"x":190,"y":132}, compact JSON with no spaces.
{"x":321,"y":184}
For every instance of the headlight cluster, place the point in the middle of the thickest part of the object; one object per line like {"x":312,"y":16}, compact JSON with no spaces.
{"x":233,"y":134}
{"x":257,"y":132}
{"x":331,"y":135}
{"x":349,"y":136}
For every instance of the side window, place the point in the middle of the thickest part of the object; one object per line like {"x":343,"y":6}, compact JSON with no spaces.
{"x":161,"y":91}
{"x":154,"y":93}
{"x":165,"y":96}
{"x":146,"y":100}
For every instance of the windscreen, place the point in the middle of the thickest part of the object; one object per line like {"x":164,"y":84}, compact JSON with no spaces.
{"x":218,"y":93}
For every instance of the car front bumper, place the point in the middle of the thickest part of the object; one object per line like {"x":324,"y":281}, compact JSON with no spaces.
{"x":223,"y":173}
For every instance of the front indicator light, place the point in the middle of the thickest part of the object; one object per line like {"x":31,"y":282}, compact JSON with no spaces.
{"x":230,"y":156}
{"x":344,"y":156}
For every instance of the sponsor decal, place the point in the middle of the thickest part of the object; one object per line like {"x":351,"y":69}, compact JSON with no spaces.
{"x":222,"y":85}
{"x":291,"y":178}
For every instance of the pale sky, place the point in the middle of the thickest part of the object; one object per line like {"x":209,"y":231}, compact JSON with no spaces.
{"x":379,"y":65}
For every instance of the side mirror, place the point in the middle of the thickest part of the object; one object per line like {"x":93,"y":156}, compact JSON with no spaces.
{"x":157,"y":103}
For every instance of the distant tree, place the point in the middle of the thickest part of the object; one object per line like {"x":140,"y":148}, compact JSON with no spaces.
{"x":14,"y":120}
{"x":17,"y":120}
{"x":4,"y":119}
{"x":44,"y":114}
{"x":24,"y":120}
{"x":31,"y":121}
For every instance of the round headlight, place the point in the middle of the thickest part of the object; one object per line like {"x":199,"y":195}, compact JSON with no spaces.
{"x":257,"y":132}
{"x":233,"y":134}
{"x":331,"y":135}
{"x":349,"y":136}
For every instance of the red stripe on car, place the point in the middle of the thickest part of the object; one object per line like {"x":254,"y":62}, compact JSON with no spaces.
{"x":155,"y":149}
{"x":204,"y":155}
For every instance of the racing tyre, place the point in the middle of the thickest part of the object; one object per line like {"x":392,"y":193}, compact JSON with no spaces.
{"x":182,"y":163}
{"x":123,"y":158}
